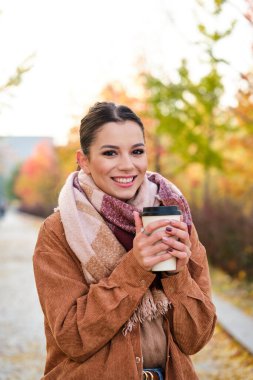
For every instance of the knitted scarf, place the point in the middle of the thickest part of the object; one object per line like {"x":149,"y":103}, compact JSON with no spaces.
{"x":90,"y":218}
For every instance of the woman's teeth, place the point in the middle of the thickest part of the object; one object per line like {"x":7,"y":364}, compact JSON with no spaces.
{"x":124,"y":180}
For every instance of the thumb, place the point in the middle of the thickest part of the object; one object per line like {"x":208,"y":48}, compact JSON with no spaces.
{"x":137,"y":221}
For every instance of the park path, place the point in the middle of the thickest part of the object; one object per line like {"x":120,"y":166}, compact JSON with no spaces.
{"x":236,"y":322}
{"x":22,"y":348}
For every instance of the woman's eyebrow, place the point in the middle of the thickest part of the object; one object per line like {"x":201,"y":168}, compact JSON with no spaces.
{"x":109,"y":146}
{"x":116,"y":147}
{"x":139,"y":144}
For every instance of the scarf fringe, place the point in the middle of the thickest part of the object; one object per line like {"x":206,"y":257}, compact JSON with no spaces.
{"x":153,"y":304}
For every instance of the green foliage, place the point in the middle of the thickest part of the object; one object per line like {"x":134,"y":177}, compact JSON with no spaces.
{"x":188,"y":114}
{"x":10,"y":184}
{"x":217,"y":5}
{"x":216,"y":36}
{"x":15,"y":79}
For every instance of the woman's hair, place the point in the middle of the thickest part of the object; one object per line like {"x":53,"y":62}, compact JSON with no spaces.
{"x":99,"y":114}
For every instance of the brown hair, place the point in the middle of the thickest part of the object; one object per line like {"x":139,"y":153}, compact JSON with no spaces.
{"x":99,"y":114}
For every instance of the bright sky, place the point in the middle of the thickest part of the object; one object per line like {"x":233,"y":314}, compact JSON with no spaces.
{"x":80,"y":45}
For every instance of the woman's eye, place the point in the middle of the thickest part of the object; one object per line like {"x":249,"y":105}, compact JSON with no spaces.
{"x":109,"y":153}
{"x":138,"y":151}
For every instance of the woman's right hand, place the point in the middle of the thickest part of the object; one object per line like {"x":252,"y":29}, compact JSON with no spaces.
{"x":147,"y":245}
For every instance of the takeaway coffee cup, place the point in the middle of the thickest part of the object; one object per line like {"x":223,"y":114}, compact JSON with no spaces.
{"x":152,"y":214}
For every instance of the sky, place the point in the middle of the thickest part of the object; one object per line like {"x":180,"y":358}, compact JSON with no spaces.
{"x":76,"y":47}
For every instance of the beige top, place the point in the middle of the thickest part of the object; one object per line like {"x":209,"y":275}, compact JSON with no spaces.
{"x":153,"y":343}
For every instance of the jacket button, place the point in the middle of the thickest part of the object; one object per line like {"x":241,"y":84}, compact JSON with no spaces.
{"x":137,"y":359}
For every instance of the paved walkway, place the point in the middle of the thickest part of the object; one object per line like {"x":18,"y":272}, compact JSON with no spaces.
{"x":22,"y":348}
{"x":235,"y":322}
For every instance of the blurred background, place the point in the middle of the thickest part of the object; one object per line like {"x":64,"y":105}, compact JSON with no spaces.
{"x":186,"y":68}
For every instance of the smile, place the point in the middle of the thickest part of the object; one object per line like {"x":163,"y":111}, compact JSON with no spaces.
{"x":124,"y":180}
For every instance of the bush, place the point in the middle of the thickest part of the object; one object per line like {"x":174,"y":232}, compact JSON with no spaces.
{"x":37,"y":210}
{"x":226,"y":231}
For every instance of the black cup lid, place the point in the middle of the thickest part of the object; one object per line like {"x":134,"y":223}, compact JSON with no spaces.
{"x":161,"y":210}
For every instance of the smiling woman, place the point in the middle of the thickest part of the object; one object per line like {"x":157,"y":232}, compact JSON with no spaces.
{"x":117,"y":159}
{"x":107,"y":315}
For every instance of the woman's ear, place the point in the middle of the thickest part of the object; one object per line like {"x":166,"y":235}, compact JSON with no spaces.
{"x":83,"y":161}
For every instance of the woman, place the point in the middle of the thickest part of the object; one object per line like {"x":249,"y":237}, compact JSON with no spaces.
{"x":107,"y":315}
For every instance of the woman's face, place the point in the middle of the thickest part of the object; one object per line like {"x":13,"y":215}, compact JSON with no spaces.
{"x":117,"y":160}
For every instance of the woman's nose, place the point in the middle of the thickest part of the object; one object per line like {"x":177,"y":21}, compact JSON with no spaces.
{"x":125,"y":162}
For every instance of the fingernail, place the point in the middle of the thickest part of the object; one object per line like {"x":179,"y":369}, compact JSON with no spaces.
{"x":168,"y":229}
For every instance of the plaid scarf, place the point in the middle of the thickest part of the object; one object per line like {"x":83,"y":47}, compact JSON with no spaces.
{"x":91,"y":218}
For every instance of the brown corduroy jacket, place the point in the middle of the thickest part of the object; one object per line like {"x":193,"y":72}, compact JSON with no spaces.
{"x":83,"y":324}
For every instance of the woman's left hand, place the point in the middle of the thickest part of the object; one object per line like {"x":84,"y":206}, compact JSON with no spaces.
{"x":178,"y":242}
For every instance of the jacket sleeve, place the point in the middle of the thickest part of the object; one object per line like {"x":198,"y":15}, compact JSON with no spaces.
{"x":192,"y":315}
{"x":83,"y":318}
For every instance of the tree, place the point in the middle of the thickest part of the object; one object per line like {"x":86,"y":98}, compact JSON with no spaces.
{"x":239,"y":153}
{"x":14,"y":80}
{"x":67,"y":154}
{"x":189,"y":114}
{"x":11,"y":82}
{"x":37,"y":184}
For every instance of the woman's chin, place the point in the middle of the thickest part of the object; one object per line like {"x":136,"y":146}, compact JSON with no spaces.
{"x":124,"y":195}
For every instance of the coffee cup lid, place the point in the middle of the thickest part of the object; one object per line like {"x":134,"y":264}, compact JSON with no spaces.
{"x":161,"y":210}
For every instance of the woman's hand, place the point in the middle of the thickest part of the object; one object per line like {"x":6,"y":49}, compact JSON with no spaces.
{"x":179,"y":243}
{"x":147,"y":245}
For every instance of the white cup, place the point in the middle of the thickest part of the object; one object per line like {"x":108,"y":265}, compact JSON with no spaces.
{"x":152,"y":214}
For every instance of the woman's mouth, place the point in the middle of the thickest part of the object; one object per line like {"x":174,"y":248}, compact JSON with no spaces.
{"x":124,"y":181}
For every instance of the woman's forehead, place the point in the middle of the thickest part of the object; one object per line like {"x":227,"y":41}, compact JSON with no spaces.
{"x":120,"y":132}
